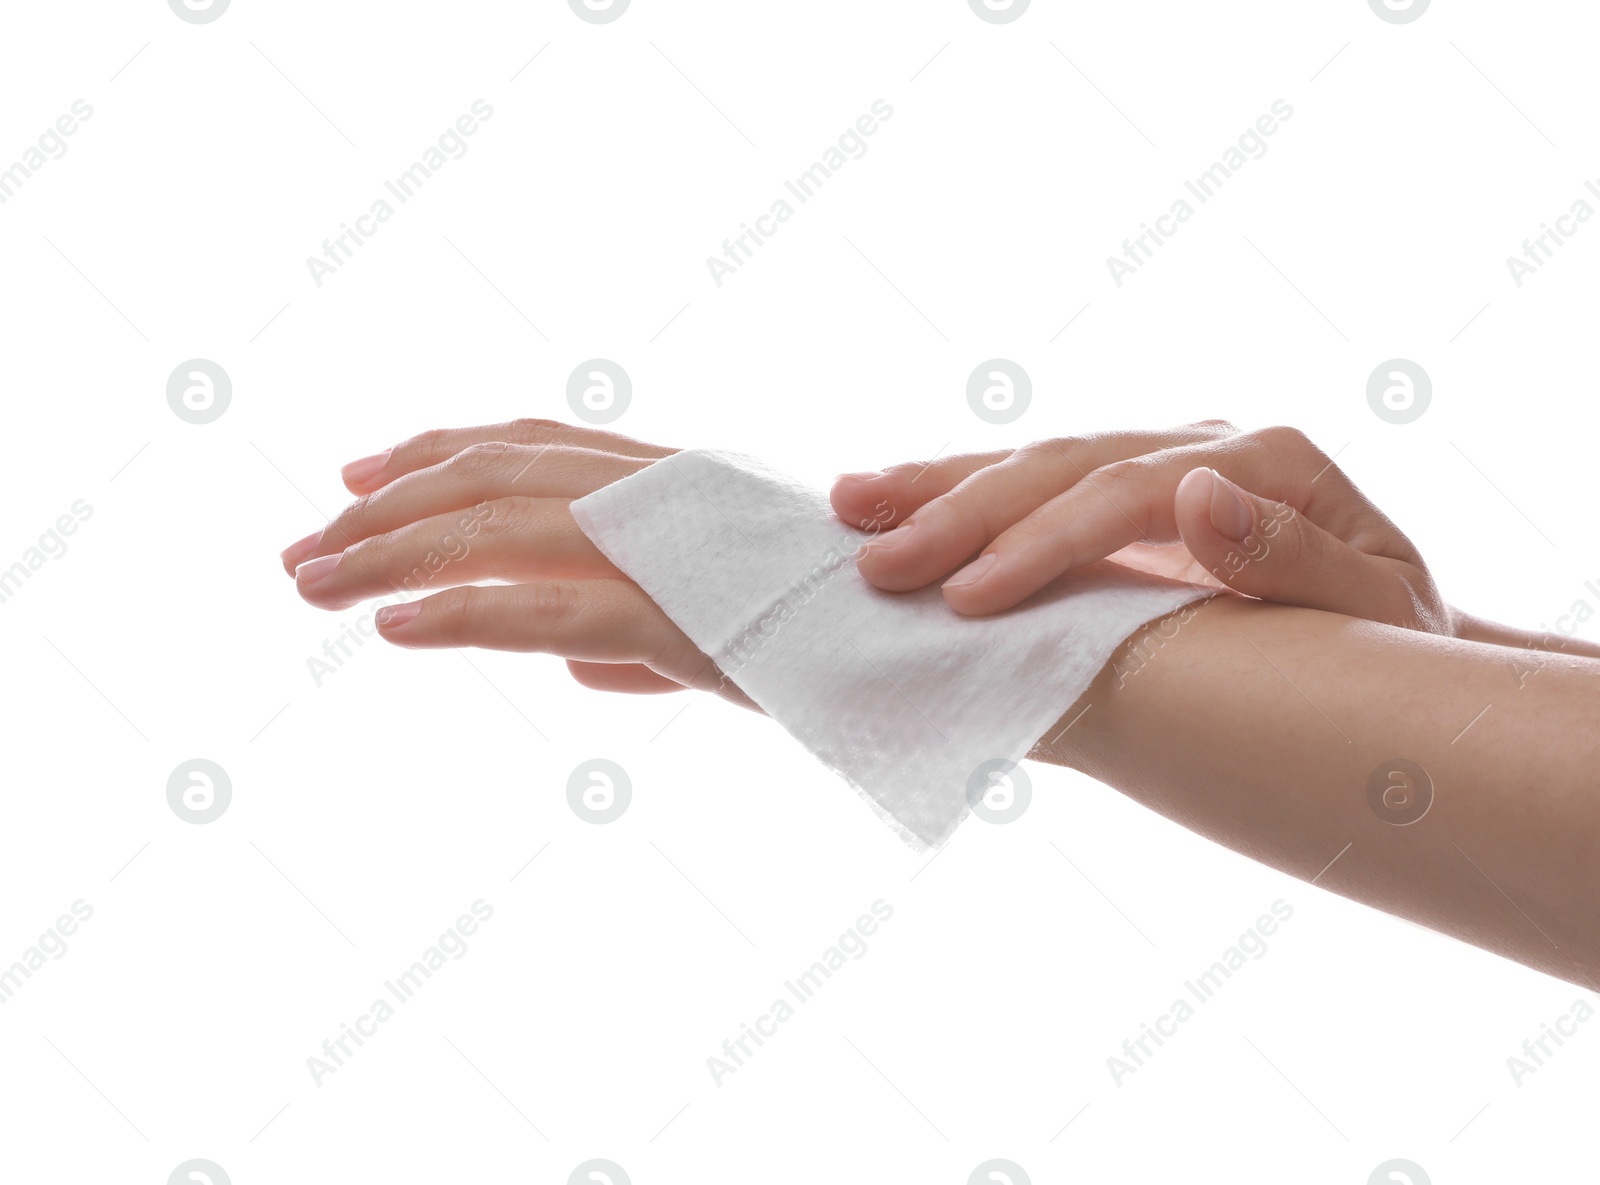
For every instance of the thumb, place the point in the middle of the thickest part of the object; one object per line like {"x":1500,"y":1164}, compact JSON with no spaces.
{"x":1269,"y":550}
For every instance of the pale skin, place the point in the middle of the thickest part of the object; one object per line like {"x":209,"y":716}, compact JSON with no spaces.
{"x":1256,"y":724}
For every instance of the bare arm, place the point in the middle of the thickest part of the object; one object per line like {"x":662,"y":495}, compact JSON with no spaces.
{"x":1256,"y":724}
{"x":1260,"y":726}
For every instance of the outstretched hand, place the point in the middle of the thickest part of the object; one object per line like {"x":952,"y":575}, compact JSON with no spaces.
{"x":447,"y":510}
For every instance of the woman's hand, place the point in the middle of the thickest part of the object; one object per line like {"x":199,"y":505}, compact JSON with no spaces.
{"x":447,"y":510}
{"x":1264,"y":513}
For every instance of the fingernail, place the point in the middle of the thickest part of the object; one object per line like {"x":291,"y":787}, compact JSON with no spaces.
{"x":300,"y":549}
{"x":297,"y":551}
{"x":973,"y":572}
{"x":393,"y":615}
{"x":872,"y":475}
{"x":1229,"y":513}
{"x":891,"y":538}
{"x":314,"y":570}
{"x":359,"y":473}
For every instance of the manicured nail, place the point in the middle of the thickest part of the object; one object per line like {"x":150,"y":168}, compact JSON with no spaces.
{"x":359,"y":473}
{"x":1230,"y":515}
{"x":393,"y":615}
{"x":300,"y":549}
{"x":973,"y":572}
{"x":873,"y":475}
{"x":314,"y":570}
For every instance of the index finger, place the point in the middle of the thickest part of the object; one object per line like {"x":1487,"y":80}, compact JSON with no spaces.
{"x":954,"y":526}
{"x":887,"y":497}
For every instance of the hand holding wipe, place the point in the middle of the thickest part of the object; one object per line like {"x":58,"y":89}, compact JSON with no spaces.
{"x":911,"y":703}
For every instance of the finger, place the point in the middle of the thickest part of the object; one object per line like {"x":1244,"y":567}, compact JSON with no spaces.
{"x":946,"y":532}
{"x":430,"y":448}
{"x":511,"y":539}
{"x":882,"y":500}
{"x":1115,"y":507}
{"x":1267,"y":549}
{"x":1130,"y":502}
{"x":476,"y":474}
{"x":593,"y":621}
{"x":1472,"y":628}
{"x":859,"y":498}
{"x":628,"y":677}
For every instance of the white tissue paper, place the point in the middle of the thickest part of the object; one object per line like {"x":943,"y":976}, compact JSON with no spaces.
{"x":913,"y":704}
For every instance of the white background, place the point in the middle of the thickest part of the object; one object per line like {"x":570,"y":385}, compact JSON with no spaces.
{"x":369,"y":811}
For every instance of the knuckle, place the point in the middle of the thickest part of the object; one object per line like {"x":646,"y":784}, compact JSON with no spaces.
{"x":1057,"y":460}
{"x":670,"y":651}
{"x":1128,"y":486}
{"x":552,"y":600}
{"x":501,"y":541}
{"x":1037,"y":534}
{"x":1125,"y":485}
{"x":359,"y":554}
{"x":1303,"y":548}
{"x":344,"y":525}
{"x":1054,"y":448}
{"x":506,"y":518}
{"x":1285,"y":438}
{"x":1423,"y":609}
{"x":958,"y":517}
{"x":1221,"y":427}
{"x":454,"y":605}
{"x":423,"y":442}
{"x":530,"y":430}
{"x":1119,"y":475}
{"x":908,"y":474}
{"x":477,"y":460}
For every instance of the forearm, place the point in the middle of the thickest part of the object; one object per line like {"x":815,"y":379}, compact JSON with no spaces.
{"x":1260,"y":726}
